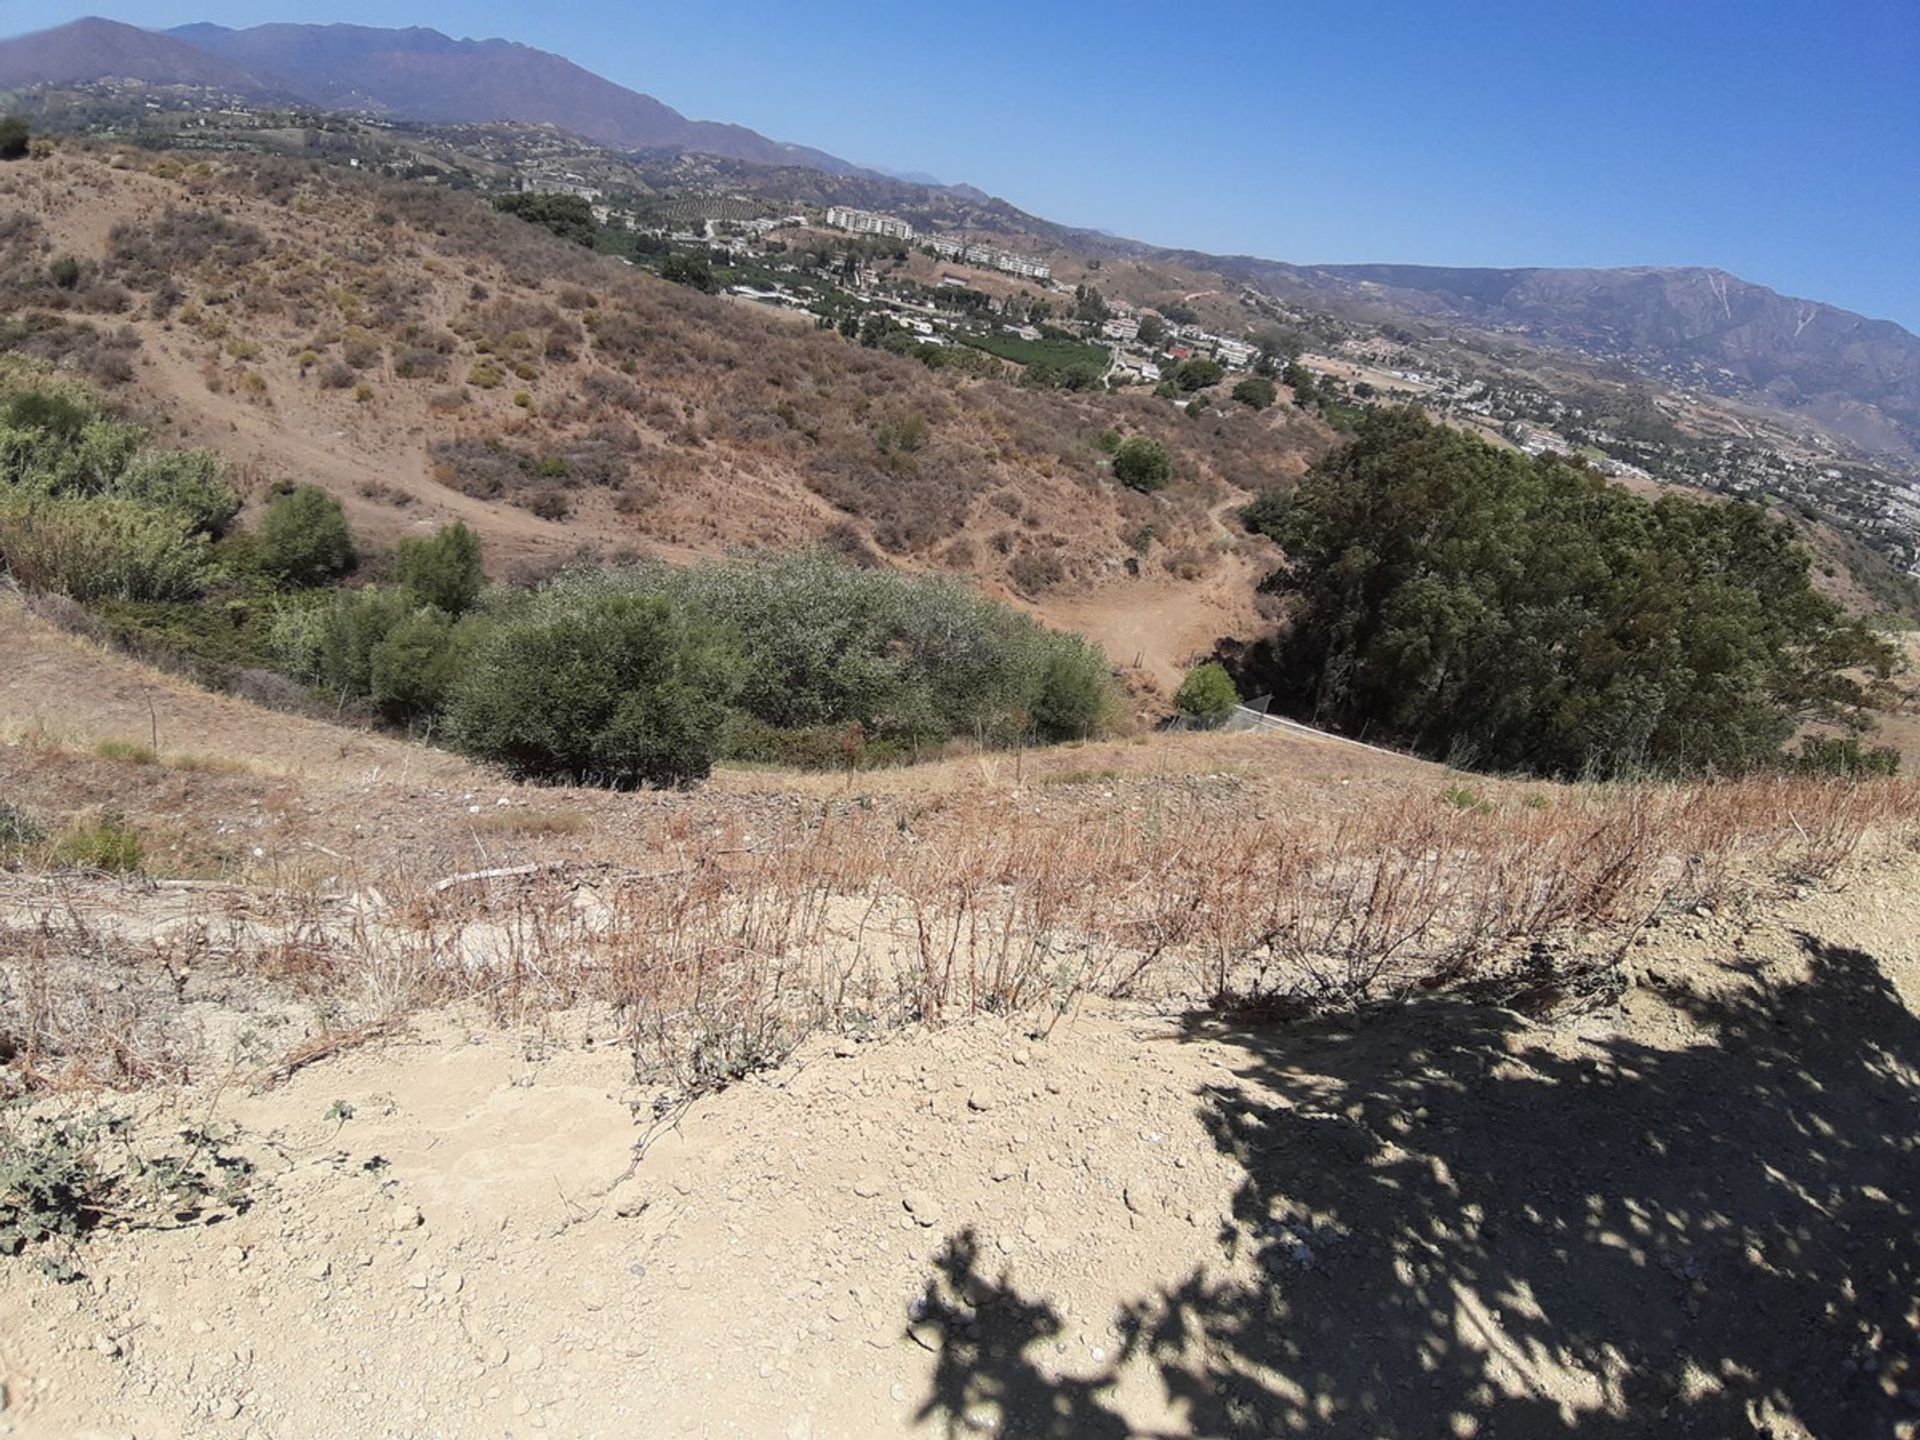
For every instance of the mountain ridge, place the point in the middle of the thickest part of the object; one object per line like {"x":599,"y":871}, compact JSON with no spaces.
{"x":1693,"y":326}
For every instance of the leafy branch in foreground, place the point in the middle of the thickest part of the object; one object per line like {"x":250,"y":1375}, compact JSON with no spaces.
{"x":64,"y":1176}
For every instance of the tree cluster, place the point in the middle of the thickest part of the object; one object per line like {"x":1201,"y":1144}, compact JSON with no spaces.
{"x":1526,"y":614}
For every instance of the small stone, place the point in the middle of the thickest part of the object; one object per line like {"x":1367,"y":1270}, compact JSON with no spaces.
{"x":106,"y":1345}
{"x":980,"y":1100}
{"x":227,"y":1408}
{"x":922,"y":1206}
{"x":497,"y":1353}
{"x":418,"y":1280}
{"x":408,"y":1217}
{"x":320,"y":1269}
{"x":451,"y":1282}
{"x":629,"y":1200}
{"x":866,"y":1187}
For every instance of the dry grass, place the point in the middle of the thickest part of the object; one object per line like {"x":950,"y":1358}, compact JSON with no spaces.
{"x":736,"y":940}
{"x":534,"y":823}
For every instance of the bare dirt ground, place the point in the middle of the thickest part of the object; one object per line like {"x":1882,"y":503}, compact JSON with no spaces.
{"x":1688,"y":1213}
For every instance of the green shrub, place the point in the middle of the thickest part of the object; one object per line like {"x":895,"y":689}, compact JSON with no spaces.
{"x":186,"y":481}
{"x":1844,"y":755}
{"x":907,"y":657}
{"x":303,"y":538}
{"x":1256,"y":392}
{"x":443,"y":571}
{"x":56,"y":414}
{"x":1207,"y":695}
{"x":352,"y":625}
{"x":1142,"y":463}
{"x":64,"y":1175}
{"x":411,"y":670}
{"x":64,"y":272}
{"x":597,"y":687}
{"x":102,"y":549}
{"x":110,"y":844}
{"x":14,"y":138}
{"x":19,"y":831}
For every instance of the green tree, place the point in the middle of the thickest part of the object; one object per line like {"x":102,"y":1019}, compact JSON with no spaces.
{"x":597,"y":688}
{"x":1198,"y":374}
{"x":1490,"y":609}
{"x":693,"y":271}
{"x":443,"y":570}
{"x":1256,"y":392}
{"x":304,"y":539}
{"x":14,"y":137}
{"x":1207,"y":694}
{"x":414,"y":665}
{"x":1153,"y":330}
{"x":1090,"y":305}
{"x":568,"y":216}
{"x":1142,"y":463}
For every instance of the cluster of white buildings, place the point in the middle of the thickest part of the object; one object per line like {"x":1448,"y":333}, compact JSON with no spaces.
{"x":989,"y":258}
{"x":867,"y":222}
{"x":870,"y":222}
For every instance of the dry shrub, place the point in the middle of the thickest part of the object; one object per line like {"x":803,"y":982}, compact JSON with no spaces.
{"x":729,"y":951}
{"x":75,"y":1013}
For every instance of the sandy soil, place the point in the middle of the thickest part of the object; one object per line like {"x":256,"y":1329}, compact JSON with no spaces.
{"x":1687,"y":1214}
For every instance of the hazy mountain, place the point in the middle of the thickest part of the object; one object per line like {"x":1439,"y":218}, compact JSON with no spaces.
{"x":88,"y":50}
{"x":415,"y":74}
{"x":423,"y":75}
{"x":1693,"y":327}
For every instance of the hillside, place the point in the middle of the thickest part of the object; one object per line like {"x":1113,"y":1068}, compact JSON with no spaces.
{"x":96,"y":49}
{"x":425,"y":358}
{"x":414,"y":73}
{"x":912,"y":1105}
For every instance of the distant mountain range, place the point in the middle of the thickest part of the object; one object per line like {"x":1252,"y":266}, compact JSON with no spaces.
{"x":1690,"y":327}
{"x":412,"y":74}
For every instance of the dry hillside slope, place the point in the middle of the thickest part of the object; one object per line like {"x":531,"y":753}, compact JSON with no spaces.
{"x":426,"y":359}
{"x":1626,"y":1142}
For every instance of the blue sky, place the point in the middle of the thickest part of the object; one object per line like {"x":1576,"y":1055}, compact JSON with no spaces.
{"x":1777,"y":140}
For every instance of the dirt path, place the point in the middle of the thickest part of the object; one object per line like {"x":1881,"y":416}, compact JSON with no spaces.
{"x":1690,"y":1213}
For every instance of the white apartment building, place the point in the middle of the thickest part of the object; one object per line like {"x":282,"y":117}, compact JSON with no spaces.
{"x":866,"y":222}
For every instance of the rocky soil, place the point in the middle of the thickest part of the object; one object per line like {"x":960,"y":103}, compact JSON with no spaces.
{"x":1685,"y":1211}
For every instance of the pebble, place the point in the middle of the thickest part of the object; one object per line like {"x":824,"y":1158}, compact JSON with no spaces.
{"x":320,"y":1269}
{"x":451,"y":1282}
{"x":106,"y":1345}
{"x":922,"y":1206}
{"x":866,"y":1187}
{"x":407,"y":1217}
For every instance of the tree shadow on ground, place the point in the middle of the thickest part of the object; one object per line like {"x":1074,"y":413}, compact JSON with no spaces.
{"x":1433,"y":1235}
